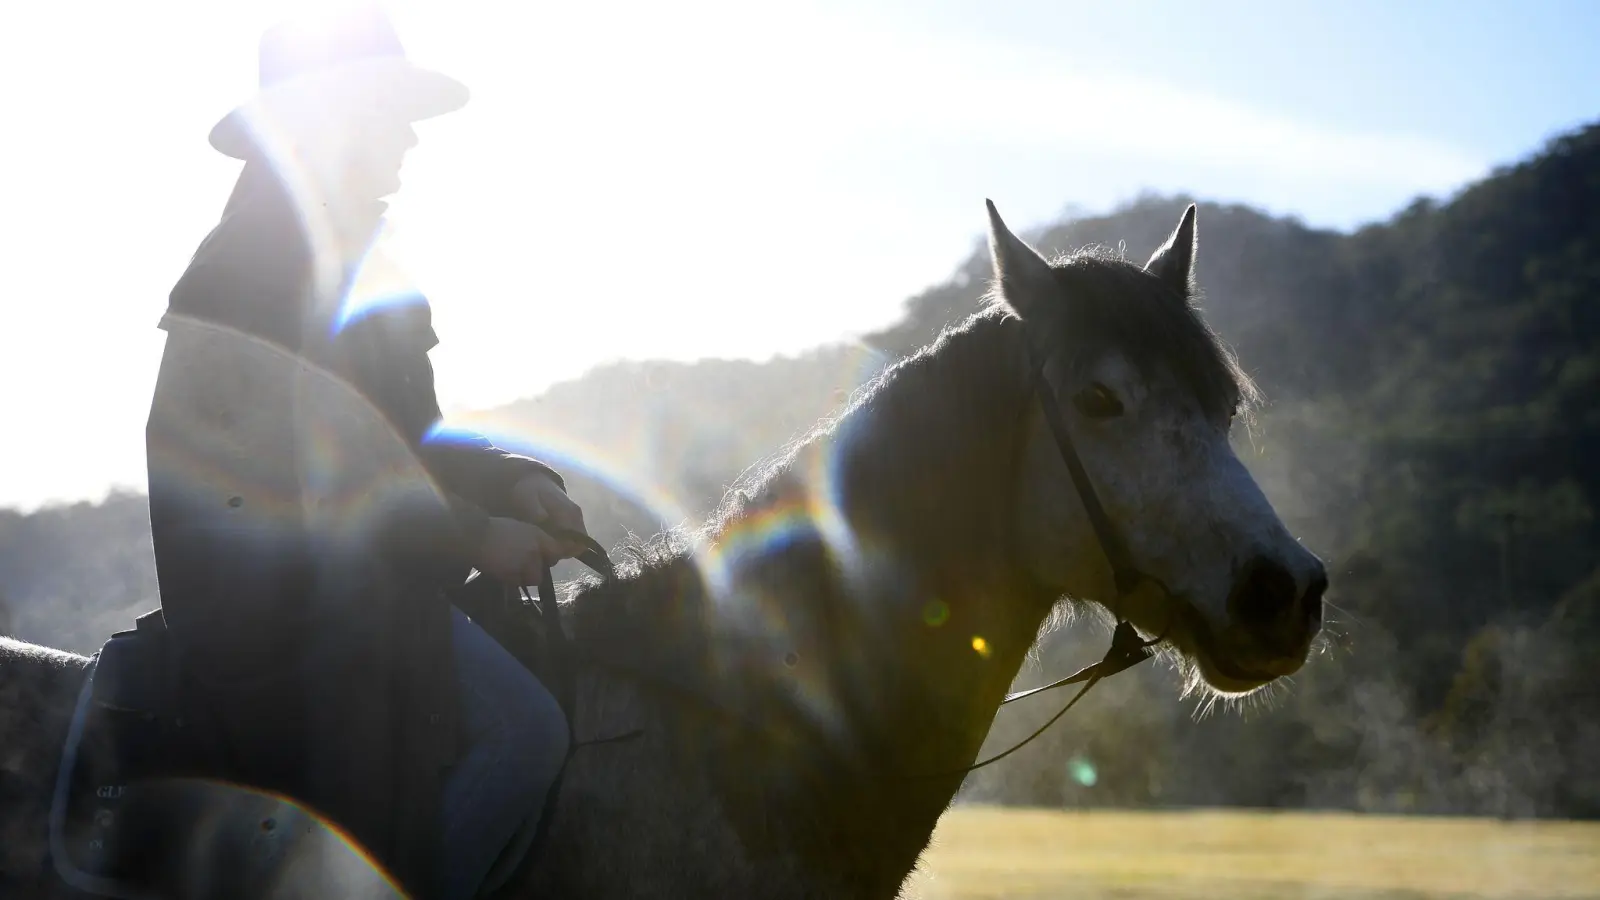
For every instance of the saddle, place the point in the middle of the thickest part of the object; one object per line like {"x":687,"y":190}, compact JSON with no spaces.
{"x":143,"y":809}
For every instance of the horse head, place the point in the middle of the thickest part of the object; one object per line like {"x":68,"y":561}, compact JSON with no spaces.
{"x":1148,"y":396}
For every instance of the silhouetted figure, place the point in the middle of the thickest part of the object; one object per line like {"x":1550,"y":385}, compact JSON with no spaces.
{"x":307,"y":521}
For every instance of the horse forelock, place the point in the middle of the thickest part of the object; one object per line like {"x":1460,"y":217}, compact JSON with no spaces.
{"x":1111,"y":302}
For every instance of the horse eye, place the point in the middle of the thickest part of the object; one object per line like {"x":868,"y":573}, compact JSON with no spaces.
{"x":1097,"y":402}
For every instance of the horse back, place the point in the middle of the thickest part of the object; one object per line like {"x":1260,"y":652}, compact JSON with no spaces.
{"x":38,"y":688}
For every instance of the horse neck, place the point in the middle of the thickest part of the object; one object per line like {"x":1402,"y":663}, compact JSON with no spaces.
{"x":928,"y":480}
{"x":920,"y":612}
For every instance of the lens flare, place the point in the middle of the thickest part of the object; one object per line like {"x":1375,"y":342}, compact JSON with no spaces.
{"x":272,"y":129}
{"x":273,"y":845}
{"x":1083,"y":771}
{"x":243,"y":433}
{"x":569,"y":454}
{"x":376,"y":285}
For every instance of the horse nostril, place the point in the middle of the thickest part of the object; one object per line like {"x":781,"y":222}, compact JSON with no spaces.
{"x":1265,"y":590}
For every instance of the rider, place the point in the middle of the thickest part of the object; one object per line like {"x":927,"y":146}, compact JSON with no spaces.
{"x":309,"y":518}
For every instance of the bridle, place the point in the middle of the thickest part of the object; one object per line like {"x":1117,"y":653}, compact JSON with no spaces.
{"x":557,"y":648}
{"x":1126,"y":651}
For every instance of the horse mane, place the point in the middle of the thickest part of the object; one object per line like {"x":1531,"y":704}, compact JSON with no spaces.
{"x":660,"y":612}
{"x":14,"y":651}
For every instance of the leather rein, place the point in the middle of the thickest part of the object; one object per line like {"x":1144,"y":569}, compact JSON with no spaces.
{"x":1126,"y":651}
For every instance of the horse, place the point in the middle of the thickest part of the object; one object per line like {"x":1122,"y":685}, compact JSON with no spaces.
{"x":805,"y":680}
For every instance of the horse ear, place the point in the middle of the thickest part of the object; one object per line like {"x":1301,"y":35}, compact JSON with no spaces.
{"x":1173,"y":263}
{"x":1024,"y":277}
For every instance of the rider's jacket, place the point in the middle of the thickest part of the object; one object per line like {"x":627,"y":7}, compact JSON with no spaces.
{"x":307,"y":517}
{"x":295,"y":403}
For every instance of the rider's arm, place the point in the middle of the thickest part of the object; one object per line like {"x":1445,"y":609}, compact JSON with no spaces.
{"x":474,"y":465}
{"x":389,"y":357}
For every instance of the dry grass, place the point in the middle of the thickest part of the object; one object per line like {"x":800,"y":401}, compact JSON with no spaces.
{"x":983,"y":852}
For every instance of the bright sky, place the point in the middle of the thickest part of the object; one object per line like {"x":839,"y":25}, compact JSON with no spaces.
{"x":676,"y":180}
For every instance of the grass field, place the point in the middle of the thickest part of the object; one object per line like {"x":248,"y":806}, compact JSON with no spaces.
{"x":987,"y":853}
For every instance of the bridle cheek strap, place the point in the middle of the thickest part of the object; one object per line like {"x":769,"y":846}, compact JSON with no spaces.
{"x":1127,"y":649}
{"x":1125,"y":575}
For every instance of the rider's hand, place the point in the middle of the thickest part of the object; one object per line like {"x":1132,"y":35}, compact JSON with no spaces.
{"x":514,"y":552}
{"x":537,"y":498}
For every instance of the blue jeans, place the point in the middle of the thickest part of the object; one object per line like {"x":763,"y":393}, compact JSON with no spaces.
{"x":517,"y":741}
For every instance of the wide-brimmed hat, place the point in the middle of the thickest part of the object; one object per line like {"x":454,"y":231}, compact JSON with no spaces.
{"x":352,"y":57}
